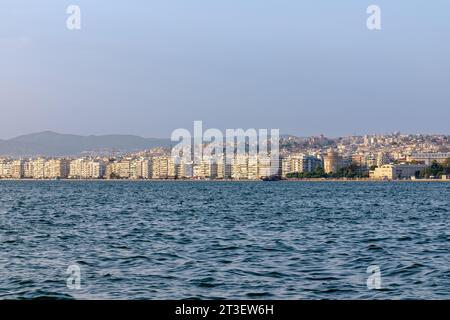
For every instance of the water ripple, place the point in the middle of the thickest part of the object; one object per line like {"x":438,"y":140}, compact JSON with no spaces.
{"x":224,"y":240}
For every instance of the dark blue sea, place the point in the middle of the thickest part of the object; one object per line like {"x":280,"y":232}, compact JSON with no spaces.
{"x":224,"y":240}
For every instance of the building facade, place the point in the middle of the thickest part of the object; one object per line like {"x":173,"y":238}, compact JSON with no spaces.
{"x":396,"y":171}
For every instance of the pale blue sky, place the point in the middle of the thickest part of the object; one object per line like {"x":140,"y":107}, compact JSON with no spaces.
{"x":149,"y":67}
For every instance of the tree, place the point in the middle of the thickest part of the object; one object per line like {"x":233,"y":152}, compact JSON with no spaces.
{"x":351,"y":171}
{"x":315,"y":174}
{"x":435,"y":170}
{"x":292,"y":175}
{"x":446,"y":166}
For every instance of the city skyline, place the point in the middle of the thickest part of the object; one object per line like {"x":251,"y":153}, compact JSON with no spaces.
{"x":282,"y":133}
{"x":392,"y":156}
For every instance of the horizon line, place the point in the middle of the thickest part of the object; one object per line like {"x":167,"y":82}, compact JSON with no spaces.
{"x":168,"y":138}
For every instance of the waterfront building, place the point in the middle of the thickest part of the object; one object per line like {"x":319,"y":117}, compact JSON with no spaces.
{"x":87,"y":169}
{"x":163,"y":168}
{"x":286,"y":166}
{"x":160,"y":167}
{"x":239,"y":169}
{"x":140,"y":169}
{"x":187,"y":170}
{"x":252,"y":168}
{"x":56,"y":168}
{"x":265,"y":167}
{"x":155,"y":168}
{"x":75,"y":169}
{"x":118,"y":169}
{"x":180,"y":169}
{"x":5,"y":168}
{"x":198,"y":171}
{"x":209,"y":165}
{"x":172,"y":168}
{"x":309,"y":163}
{"x":220,"y":168}
{"x":227,"y":171}
{"x":396,"y":171}
{"x":38,"y":168}
{"x":17,"y":169}
{"x":97,"y":169}
{"x":28,"y":169}
{"x":109,"y":170}
{"x":123,"y":169}
{"x":223,"y":167}
{"x":146,"y":168}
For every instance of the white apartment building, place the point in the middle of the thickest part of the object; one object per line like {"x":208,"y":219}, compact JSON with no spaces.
{"x":252,"y":168}
{"x":56,"y":168}
{"x":17,"y":169}
{"x":299,"y":163}
{"x":160,"y":168}
{"x":86,"y":169}
{"x":38,"y":168}
{"x":239,"y":169}
{"x":265,"y":167}
{"x":5,"y":169}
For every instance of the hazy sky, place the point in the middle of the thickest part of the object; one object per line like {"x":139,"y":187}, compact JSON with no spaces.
{"x":149,"y":67}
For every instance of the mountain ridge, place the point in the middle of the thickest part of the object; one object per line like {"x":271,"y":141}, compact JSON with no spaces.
{"x":50,"y":143}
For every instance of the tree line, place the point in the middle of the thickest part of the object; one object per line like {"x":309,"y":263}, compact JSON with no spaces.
{"x":353,"y":171}
{"x":436,"y":169}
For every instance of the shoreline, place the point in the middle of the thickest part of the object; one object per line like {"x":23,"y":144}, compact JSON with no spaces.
{"x":228,"y":180}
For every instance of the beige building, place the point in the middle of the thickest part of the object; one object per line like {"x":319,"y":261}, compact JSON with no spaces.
{"x":181,"y":169}
{"x":209,"y":167}
{"x":123,"y":169}
{"x":96,"y":169}
{"x":160,"y":168}
{"x":56,"y":168}
{"x":17,"y":169}
{"x":118,"y":170}
{"x":396,"y":171}
{"x":145,"y":168}
{"x":332,"y":162}
{"x":198,"y":171}
{"x":38,"y":168}
{"x":265,"y":167}
{"x":252,"y":169}
{"x":28,"y":169}
{"x":171,"y":168}
{"x":5,"y":168}
{"x":239,"y":169}
{"x":75,"y":169}
{"x":86,"y":169}
{"x":141,"y":169}
{"x":286,"y":166}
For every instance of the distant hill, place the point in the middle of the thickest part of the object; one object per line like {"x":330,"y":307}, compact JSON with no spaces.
{"x":49,"y":143}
